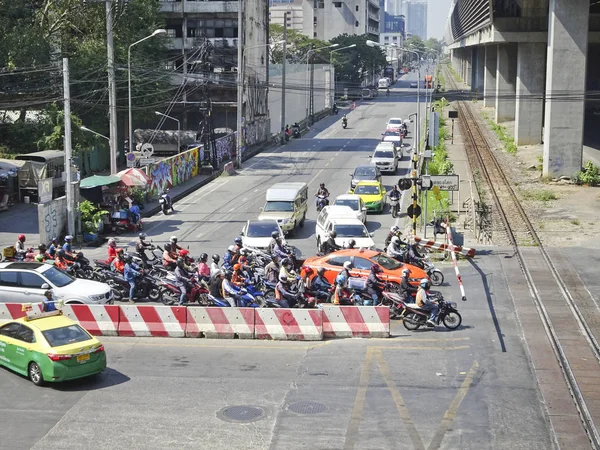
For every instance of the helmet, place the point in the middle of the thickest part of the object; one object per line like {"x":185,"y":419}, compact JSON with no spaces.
{"x":60,"y":252}
{"x":424,"y":283}
{"x":395,"y":229}
{"x":322,"y":185}
{"x":245,"y":252}
{"x":119,"y":251}
{"x":67,"y":238}
{"x":348,"y":265}
{"x":54,"y":239}
{"x":112,"y":242}
{"x":173,"y":239}
{"x":22,"y":237}
{"x":275,"y":234}
{"x":42,"y":247}
{"x":238,"y":240}
{"x":129,"y":259}
{"x":406,"y":272}
{"x":183,"y":252}
{"x":237,"y":267}
{"x":180,"y":262}
{"x":395,"y":240}
{"x":231,"y":248}
{"x":228,"y":274}
{"x":168,"y":247}
{"x":142,"y":236}
{"x":376,"y":269}
{"x":351,"y":243}
{"x":204,"y":257}
{"x":321,"y":270}
{"x":216,"y":259}
{"x":333,"y":234}
{"x":286,"y":262}
{"x":283,"y":279}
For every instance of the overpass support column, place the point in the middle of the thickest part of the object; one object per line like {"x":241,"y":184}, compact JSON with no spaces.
{"x":506,"y":76}
{"x":479,"y":69}
{"x":531,"y":59}
{"x":468,"y":65}
{"x":565,"y":81}
{"x":489,"y":76}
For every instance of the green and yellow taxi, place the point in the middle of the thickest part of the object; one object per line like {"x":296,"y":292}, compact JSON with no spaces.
{"x":372,"y":194}
{"x":49,"y":347}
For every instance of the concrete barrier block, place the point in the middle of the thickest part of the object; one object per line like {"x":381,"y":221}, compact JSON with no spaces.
{"x":220,"y":323}
{"x":288,"y":324}
{"x":157,"y":321}
{"x":356,"y":321}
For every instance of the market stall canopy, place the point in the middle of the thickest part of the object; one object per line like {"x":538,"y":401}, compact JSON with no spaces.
{"x":134,"y":177}
{"x":98,"y":180}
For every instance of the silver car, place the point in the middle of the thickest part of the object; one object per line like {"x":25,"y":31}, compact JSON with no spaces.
{"x":385,"y":157}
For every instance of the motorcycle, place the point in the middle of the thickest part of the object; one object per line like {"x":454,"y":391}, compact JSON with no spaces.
{"x":10,"y":255}
{"x":335,"y":110}
{"x":296,"y":133}
{"x":146,"y":286}
{"x":322,"y":202}
{"x":198,"y":292}
{"x":120,"y":222}
{"x":414,"y":317}
{"x":165,"y":203}
{"x":344,"y":124}
{"x":395,"y":206}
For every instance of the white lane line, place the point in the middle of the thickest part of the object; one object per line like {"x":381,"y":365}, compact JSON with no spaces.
{"x":331,"y":159}
{"x":199,"y":235}
{"x":244,"y":199}
{"x":326,"y":164}
{"x":232,"y":209}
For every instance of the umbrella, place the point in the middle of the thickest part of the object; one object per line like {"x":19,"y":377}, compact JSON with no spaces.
{"x":98,"y":180}
{"x":134,"y":177}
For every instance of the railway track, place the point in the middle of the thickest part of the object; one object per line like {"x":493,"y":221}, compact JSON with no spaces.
{"x":570,"y":316}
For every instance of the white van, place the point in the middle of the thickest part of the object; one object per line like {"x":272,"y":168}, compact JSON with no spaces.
{"x":342,"y":220}
{"x":384,"y":83}
{"x":287,"y":203}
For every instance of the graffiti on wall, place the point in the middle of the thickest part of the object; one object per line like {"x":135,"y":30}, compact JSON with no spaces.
{"x":225,"y":148}
{"x":173,"y":171}
{"x":52,"y":218}
{"x":257,"y":132}
{"x":256,"y":98}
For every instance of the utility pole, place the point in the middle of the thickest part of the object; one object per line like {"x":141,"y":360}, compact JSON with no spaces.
{"x":283,"y":77}
{"x":311,"y":106}
{"x":68,"y":150}
{"x":112,"y":91}
{"x":240,"y":82}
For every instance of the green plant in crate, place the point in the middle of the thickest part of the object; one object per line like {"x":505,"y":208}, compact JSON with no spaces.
{"x":91,"y":216}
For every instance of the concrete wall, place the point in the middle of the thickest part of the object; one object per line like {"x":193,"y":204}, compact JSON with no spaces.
{"x":296,"y":93}
{"x":52,"y":219}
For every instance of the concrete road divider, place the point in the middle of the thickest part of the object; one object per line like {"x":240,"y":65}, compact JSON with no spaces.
{"x":157,"y":321}
{"x":222,"y":323}
{"x":228,"y":169}
{"x":99,"y":320}
{"x":356,"y":321}
{"x":288,"y":324}
{"x":10,"y":311}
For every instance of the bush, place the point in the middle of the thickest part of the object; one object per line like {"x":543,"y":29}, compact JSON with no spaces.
{"x":590,"y":175}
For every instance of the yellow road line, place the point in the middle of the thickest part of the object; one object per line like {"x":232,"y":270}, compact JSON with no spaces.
{"x":359,"y":402}
{"x":399,"y":402}
{"x":438,"y":437}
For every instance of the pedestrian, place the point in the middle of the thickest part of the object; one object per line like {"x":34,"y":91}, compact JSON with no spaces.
{"x":48,"y":302}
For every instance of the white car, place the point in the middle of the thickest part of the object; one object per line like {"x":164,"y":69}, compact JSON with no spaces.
{"x":26,"y":282}
{"x":257,"y":233}
{"x":395,"y":137}
{"x":342,"y":220}
{"x":395,"y":123}
{"x":385,"y":157}
{"x":355,"y":203}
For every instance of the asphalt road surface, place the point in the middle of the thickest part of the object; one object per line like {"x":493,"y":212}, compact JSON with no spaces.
{"x":471,"y":388}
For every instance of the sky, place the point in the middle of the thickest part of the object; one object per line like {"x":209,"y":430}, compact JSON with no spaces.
{"x":437,"y":13}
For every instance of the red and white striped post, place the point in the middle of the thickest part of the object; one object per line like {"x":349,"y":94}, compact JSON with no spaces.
{"x":454,"y":261}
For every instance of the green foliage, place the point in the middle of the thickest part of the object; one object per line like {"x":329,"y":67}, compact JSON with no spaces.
{"x":590,"y":175}
{"x":415,"y":43}
{"x":298,"y":47}
{"x":353,"y":65}
{"x":505,"y":138}
{"x":90,"y":216}
{"x":542,"y":195}
{"x":454,"y":74}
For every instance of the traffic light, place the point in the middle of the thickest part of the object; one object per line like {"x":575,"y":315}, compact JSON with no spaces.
{"x":404,"y":184}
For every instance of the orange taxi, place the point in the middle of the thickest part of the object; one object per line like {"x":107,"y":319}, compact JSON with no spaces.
{"x":362,"y":260}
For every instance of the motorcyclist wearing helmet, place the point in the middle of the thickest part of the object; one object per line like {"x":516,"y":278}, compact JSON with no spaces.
{"x":238,"y":244}
{"x":216,"y":284}
{"x":273,"y":242}
{"x":174,"y":247}
{"x":272,"y":271}
{"x":231,"y":292}
{"x":118,"y":264}
{"x":230,"y":258}
{"x":394,"y":231}
{"x":183,"y":278}
{"x":168,"y":261}
{"x":287,"y":269}
{"x":278,"y":250}
{"x":322,"y":192}
{"x":54,"y":245}
{"x":283,"y":293}
{"x":20,"y":250}
{"x":320,"y":285}
{"x":329,"y":245}
{"x":131,"y":272}
{"x":413,"y":256}
{"x":394,"y":250}
{"x":345,"y":118}
{"x":342,"y":277}
{"x":60,"y":261}
{"x":112,"y":250}
{"x":406,"y":289}
{"x":41,"y":255}
{"x":214,"y":265}
{"x":351,"y":244}
{"x":203,"y":269}
{"x":342,"y":295}
{"x":425,"y":303}
{"x":394,"y":194}
{"x":187,"y":259}
{"x":67,"y":247}
{"x":141,"y":246}
{"x":238,"y":278}
{"x":374,"y":285}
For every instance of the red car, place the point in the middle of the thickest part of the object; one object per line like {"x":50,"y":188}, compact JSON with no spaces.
{"x":362,"y":260}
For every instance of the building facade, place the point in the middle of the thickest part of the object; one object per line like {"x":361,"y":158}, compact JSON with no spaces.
{"x":294,"y":18}
{"x":416,"y":14}
{"x":332,"y":18}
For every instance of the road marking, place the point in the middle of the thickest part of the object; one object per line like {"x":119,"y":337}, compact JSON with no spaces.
{"x":245,"y":199}
{"x":199,"y":235}
{"x":421,"y":347}
{"x":439,"y":435}
{"x":399,"y":401}
{"x":120,"y":341}
{"x":359,"y":402}
{"x":331,"y":159}
{"x":326,"y":164}
{"x":232,"y":209}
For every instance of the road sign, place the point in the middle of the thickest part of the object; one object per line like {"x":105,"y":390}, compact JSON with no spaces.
{"x":147,"y":161}
{"x":417,"y":210}
{"x":131,"y":159}
{"x":446,"y":182}
{"x":147,"y":150}
{"x":45,"y":190}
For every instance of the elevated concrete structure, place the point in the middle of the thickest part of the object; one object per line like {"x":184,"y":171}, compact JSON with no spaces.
{"x":530,"y":58}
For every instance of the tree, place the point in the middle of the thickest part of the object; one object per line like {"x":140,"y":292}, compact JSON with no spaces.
{"x":297,"y":48}
{"x":353,"y":65}
{"x":433,"y":47}
{"x":415,"y":43}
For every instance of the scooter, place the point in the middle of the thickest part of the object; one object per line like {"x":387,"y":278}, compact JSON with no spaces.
{"x":165,"y":203}
{"x":296,"y":133}
{"x":394,"y":206}
{"x":198,"y":293}
{"x":344,"y":124}
{"x":322,"y":202}
{"x":414,"y":317}
{"x":146,"y":286}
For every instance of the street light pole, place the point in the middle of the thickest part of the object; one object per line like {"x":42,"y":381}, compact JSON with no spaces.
{"x":308,"y":56}
{"x":178,"y":128}
{"x":331,"y":67}
{"x":84,"y":128}
{"x":112,"y":89}
{"x":155,"y":33}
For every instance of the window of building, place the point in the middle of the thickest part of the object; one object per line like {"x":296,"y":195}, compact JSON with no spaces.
{"x":171,"y":32}
{"x":321,"y":5}
{"x":356,"y":7}
{"x":315,"y":34}
{"x":357,"y":24}
{"x":337,"y":4}
{"x":170,"y":65}
{"x":394,"y":38}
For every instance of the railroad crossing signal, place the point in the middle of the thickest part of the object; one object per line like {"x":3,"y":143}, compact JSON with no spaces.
{"x":417,"y":211}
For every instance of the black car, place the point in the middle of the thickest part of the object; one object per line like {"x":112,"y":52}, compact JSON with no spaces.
{"x":361,"y":173}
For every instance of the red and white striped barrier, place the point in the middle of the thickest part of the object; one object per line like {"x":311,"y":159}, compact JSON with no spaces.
{"x":458,"y":277}
{"x":157,"y":321}
{"x":222,"y":323}
{"x":10,"y":311}
{"x":288,"y":324}
{"x":470,"y":252}
{"x":356,"y":321}
{"x":99,"y":320}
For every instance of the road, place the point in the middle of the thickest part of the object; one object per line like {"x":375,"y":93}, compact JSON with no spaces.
{"x":471,"y":388}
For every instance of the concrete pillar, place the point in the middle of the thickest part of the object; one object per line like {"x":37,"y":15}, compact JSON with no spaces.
{"x":489,"y":76}
{"x":468,"y":65}
{"x":480,"y":69}
{"x":565,"y":81}
{"x":474,"y":56}
{"x":531,"y":57}
{"x":506,"y":77}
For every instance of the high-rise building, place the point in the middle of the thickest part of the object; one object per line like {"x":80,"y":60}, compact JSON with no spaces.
{"x":394,"y":7}
{"x":416,"y":15}
{"x":332,"y":18}
{"x":293,"y":8}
